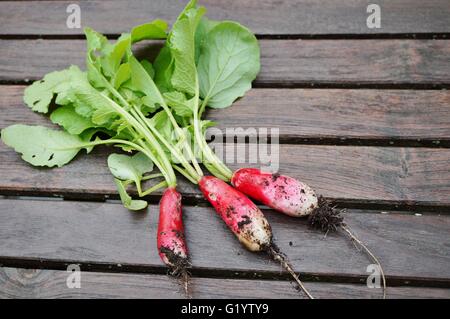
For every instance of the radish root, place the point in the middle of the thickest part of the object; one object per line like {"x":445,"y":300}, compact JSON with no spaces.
{"x":276,"y":255}
{"x":367,"y":250}
{"x":184,"y":277}
{"x":327,"y":218}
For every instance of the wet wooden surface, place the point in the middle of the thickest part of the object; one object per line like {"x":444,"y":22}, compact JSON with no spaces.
{"x":284,"y":63}
{"x":363,"y":116}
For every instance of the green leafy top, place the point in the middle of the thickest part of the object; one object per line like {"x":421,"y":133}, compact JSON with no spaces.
{"x":205,"y":63}
{"x":228,"y":62}
{"x":41,"y":146}
{"x":153,"y":110}
{"x":106,"y":99}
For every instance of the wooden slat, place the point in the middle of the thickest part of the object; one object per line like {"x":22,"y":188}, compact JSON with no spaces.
{"x":408,"y":246}
{"x":286,"y":17}
{"x":309,"y":113}
{"x":284,"y":62}
{"x":36,"y":283}
{"x":348,"y":173}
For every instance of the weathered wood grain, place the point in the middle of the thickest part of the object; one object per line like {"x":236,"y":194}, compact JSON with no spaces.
{"x":394,"y":115}
{"x":286,"y":17}
{"x":284,"y":62}
{"x":348,"y":173}
{"x":36,"y":283}
{"x":408,"y":246}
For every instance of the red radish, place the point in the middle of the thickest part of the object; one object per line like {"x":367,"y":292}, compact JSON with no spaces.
{"x":282,"y":193}
{"x":171,"y":241}
{"x":245,"y":220}
{"x":240,"y":214}
{"x":171,"y":244}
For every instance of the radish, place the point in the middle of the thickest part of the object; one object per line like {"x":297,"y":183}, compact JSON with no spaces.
{"x":245,"y":220}
{"x":240,"y":214}
{"x":294,"y":198}
{"x":282,"y":193}
{"x":171,"y":244}
{"x":170,"y":239}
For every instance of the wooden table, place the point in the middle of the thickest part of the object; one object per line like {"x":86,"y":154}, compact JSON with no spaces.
{"x":364,"y":118}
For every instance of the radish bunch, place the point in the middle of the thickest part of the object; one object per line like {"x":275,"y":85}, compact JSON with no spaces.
{"x":154,"y":111}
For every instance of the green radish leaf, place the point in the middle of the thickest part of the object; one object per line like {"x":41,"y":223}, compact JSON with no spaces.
{"x":227,"y":64}
{"x":133,"y":97}
{"x":97,"y":44}
{"x":203,"y":29}
{"x":149,"y":104}
{"x":163,"y":66}
{"x":113,"y":54}
{"x":103,"y":109}
{"x":142,"y":81}
{"x":70,"y":120}
{"x":182,"y":47}
{"x":39,"y":95}
{"x":95,"y":77}
{"x":87,"y":135}
{"x":179,"y":104}
{"x":148,"y":31}
{"x":122,"y":75}
{"x":41,"y":146}
{"x":127,"y":201}
{"x":126,"y":167}
{"x":95,"y":40}
{"x":162,"y":124}
{"x":148,"y":67}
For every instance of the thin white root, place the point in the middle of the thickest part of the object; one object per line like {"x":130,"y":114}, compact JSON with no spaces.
{"x":375,"y":259}
{"x":280,"y":258}
{"x":186,"y":279}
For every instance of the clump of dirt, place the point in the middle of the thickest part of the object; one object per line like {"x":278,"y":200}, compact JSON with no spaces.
{"x":245,"y":221}
{"x":179,"y":269}
{"x":325,"y":217}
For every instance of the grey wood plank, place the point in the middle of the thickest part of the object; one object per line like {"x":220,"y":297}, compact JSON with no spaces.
{"x":283,"y":62}
{"x":394,"y":115}
{"x":285,"y":17}
{"x":386,"y":175}
{"x":36,"y":283}
{"x":408,"y":246}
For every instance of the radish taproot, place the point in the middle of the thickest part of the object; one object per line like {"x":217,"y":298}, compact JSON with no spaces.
{"x":282,"y":193}
{"x":245,"y":220}
{"x":240,"y":214}
{"x":171,"y":243}
{"x":171,"y":239}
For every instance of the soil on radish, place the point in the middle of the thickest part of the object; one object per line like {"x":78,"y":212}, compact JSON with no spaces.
{"x":325,"y":217}
{"x":245,"y":221}
{"x":179,"y":269}
{"x":175,"y":259}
